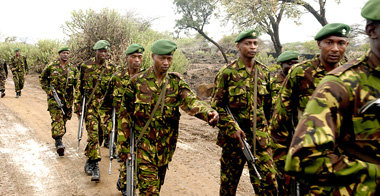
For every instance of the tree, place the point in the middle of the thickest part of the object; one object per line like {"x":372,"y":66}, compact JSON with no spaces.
{"x":195,"y":15}
{"x":319,"y":15}
{"x":262,"y":15}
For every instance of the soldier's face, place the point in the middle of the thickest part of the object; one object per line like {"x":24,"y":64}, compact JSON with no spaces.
{"x":102,"y":54}
{"x":162,"y":62}
{"x":287,"y":65}
{"x":17,"y":53}
{"x":332,"y":48}
{"x":134,"y":60}
{"x":64,"y":55}
{"x":248,"y":47}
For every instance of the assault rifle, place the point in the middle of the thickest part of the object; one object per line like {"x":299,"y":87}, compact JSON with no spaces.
{"x":80,"y":126}
{"x":246,"y":150}
{"x":112,"y":139}
{"x":130,"y":164}
{"x":57,"y":99}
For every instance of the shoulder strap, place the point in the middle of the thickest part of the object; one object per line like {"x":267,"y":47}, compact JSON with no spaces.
{"x":160,"y":99}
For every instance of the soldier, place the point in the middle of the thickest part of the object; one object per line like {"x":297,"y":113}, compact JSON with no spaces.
{"x":133,"y":57}
{"x":59,"y":77}
{"x":19,"y":68}
{"x":235,"y":88}
{"x":156,"y":129}
{"x":94,"y":78}
{"x":3,"y":76}
{"x":335,"y":148}
{"x":286,"y":60}
{"x":299,"y":85}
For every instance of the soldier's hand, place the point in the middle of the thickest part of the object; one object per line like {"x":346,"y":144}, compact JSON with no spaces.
{"x":239,"y":135}
{"x":213,"y":118}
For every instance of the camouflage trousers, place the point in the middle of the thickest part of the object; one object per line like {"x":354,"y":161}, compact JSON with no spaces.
{"x":106,"y":125}
{"x":58,"y":122}
{"x":232,"y":164}
{"x":2,"y":81}
{"x":150,"y":177}
{"x":95,"y":127}
{"x":18,"y":79}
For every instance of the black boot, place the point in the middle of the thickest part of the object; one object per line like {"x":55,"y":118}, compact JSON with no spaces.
{"x":17,"y":95}
{"x":95,"y":172}
{"x":60,"y":147}
{"x":2,"y":93}
{"x":88,"y":167}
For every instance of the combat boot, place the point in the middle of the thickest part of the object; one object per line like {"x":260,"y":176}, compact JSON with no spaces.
{"x":17,"y":95}
{"x":2,"y":93}
{"x":88,"y":167}
{"x":95,"y":172}
{"x":60,"y":147}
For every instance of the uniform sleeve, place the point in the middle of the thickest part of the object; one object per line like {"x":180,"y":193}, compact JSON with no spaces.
{"x":78,"y":90}
{"x":314,"y":153}
{"x":44,"y":79}
{"x":219,"y":101}
{"x":190,"y":104}
{"x":26,"y":65}
{"x":282,"y":122}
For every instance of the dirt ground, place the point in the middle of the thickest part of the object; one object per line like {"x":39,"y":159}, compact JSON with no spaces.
{"x":29,"y":164}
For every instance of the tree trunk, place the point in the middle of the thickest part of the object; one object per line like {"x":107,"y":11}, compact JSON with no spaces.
{"x":216,"y":44}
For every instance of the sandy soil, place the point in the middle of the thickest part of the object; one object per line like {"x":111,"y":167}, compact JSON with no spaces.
{"x":29,"y":164}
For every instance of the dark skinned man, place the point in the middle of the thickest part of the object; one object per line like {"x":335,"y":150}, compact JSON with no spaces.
{"x":235,"y":89}
{"x":299,"y":85}
{"x":19,"y":68}
{"x":59,"y":76}
{"x":3,"y":76}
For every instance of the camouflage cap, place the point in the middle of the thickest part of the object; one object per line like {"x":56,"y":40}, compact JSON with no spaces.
{"x":133,"y":48}
{"x":287,"y":55}
{"x":16,"y":50}
{"x":163,"y":47}
{"x":102,"y":44}
{"x":63,"y":48}
{"x":370,"y":11}
{"x":333,"y":29}
{"x":252,"y":34}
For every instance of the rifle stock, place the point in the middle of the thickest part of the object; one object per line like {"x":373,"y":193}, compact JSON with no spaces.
{"x":80,"y":126}
{"x":130,"y":165}
{"x":112,"y":139}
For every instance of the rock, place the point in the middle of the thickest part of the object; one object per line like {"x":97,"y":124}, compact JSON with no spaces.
{"x":205,"y":90}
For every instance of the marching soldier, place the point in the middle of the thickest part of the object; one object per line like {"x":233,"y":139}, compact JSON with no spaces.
{"x":19,"y":68}
{"x":152,"y":99}
{"x":335,"y":148}
{"x":298,"y":88}
{"x":94,"y":79}
{"x":243,"y":87}
{"x":3,"y":76}
{"x":58,"y":80}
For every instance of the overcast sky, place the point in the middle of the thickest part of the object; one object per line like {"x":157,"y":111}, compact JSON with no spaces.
{"x":42,"y":19}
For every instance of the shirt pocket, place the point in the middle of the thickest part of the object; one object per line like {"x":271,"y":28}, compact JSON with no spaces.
{"x":238,"y":96}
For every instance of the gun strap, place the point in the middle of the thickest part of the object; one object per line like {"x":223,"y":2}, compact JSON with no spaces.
{"x":96,"y":86}
{"x":160,"y":99}
{"x":255,"y":112}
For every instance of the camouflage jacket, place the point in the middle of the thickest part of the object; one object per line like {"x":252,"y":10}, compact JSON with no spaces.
{"x":63,"y":80}
{"x":3,"y":69}
{"x":234,"y":87}
{"x":276,"y":84}
{"x":334,"y":143}
{"x":19,"y":64}
{"x":117,"y":87}
{"x":141,"y":95}
{"x":297,"y":89}
{"x":90,"y":73}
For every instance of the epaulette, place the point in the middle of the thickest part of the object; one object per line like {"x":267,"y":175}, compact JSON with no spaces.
{"x":262,"y":65}
{"x":232,"y":63}
{"x":341,"y":69}
{"x":175,"y":74}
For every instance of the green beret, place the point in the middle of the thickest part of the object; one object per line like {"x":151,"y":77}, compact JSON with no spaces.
{"x":370,"y":11}
{"x":333,"y":29}
{"x":102,"y":44}
{"x":252,"y":34}
{"x":287,"y":55}
{"x":63,"y":48}
{"x":163,"y":47}
{"x":134,"y":48}
{"x":16,"y":50}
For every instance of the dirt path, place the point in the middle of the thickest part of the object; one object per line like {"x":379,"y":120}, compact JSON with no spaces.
{"x":29,"y":164}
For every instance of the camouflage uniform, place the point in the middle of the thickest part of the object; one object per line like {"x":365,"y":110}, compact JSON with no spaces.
{"x":64,"y":81}
{"x":299,"y":85}
{"x":96,"y":124}
{"x":234,"y":88}
{"x":3,"y":74}
{"x":333,"y":141}
{"x":157,"y":145}
{"x":276,"y":84}
{"x":18,"y":67}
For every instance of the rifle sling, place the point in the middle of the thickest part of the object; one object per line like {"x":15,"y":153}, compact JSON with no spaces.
{"x":160,"y":99}
{"x":255,"y":113}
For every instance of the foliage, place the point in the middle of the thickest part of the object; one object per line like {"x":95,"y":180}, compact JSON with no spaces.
{"x":87,"y":27}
